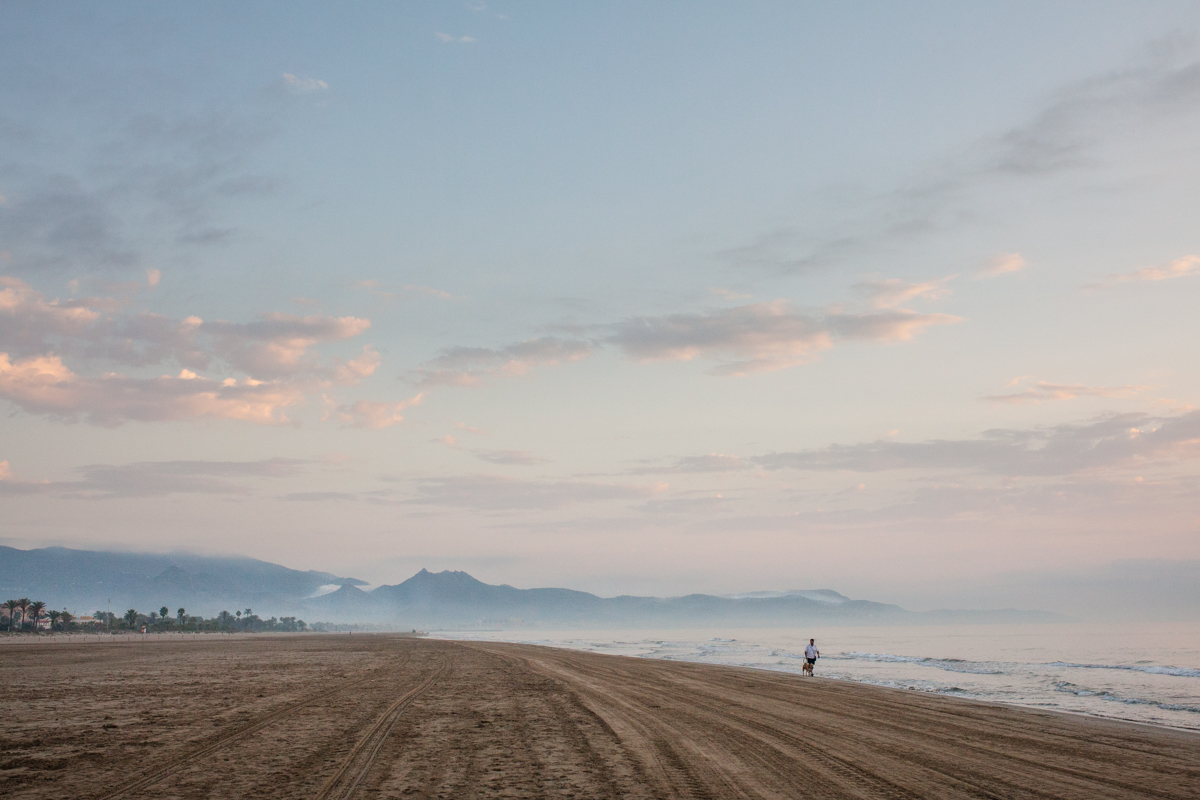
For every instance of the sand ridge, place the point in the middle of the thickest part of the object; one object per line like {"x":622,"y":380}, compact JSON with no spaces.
{"x":383,"y":716}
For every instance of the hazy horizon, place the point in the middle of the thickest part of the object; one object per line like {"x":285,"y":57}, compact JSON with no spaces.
{"x":896,"y":301}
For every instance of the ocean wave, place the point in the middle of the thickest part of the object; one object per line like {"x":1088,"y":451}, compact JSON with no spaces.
{"x":1079,"y":691}
{"x":1151,"y":669}
{"x":947,"y":664}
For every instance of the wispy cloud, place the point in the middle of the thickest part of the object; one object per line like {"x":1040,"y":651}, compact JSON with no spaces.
{"x":747,"y":339}
{"x":160,"y":479}
{"x":761,"y":337}
{"x":1112,"y":441}
{"x":1045,"y":391}
{"x":450,"y":38}
{"x":712,"y":462}
{"x":1184,"y":267}
{"x":1003,"y":264}
{"x":371,"y":414}
{"x":893,"y":292}
{"x":303,"y":85}
{"x":470,"y":366}
{"x":1063,"y":137}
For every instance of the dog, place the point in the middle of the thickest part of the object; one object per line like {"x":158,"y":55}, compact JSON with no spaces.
{"x":807,"y":669}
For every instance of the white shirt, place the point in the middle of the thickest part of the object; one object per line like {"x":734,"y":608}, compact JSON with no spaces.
{"x":810,"y":652}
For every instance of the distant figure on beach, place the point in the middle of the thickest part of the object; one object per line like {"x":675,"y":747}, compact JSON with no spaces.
{"x":811,"y":654}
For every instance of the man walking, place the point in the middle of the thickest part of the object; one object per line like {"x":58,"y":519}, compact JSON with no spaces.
{"x":811,"y":654}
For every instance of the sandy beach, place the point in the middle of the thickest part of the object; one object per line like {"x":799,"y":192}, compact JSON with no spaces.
{"x":322,"y":716}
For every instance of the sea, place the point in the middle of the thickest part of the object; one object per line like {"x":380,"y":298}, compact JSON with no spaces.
{"x":1147,"y":673}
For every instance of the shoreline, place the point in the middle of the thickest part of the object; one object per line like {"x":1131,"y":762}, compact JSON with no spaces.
{"x":299,"y":715}
{"x":214,"y":637}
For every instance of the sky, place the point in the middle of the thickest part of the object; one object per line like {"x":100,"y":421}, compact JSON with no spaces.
{"x":894,"y":299}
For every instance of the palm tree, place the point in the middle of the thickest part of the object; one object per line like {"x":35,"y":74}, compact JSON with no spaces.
{"x":35,"y":610}
{"x":67,"y":618}
{"x":131,"y":617}
{"x":11,"y":607}
{"x":54,"y":615}
{"x":180,"y":614}
{"x":23,"y":606}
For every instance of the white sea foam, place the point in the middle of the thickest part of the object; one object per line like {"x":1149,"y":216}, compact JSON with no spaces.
{"x":1149,"y":669}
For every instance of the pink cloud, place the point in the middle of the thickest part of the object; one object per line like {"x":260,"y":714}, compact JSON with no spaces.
{"x":1003,"y":264}
{"x":1045,"y":391}
{"x":374,"y":415}
{"x":471,"y":366}
{"x":1179,"y":268}
{"x":44,"y":385}
{"x":761,"y":337}
{"x":350,"y":373}
{"x":277,"y":345}
{"x":893,"y":292}
{"x":44,"y":342}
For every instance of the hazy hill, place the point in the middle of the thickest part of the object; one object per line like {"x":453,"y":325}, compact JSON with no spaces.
{"x":455,"y":599}
{"x":85,"y":580}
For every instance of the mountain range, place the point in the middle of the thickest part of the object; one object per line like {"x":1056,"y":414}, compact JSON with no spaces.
{"x":83,"y":581}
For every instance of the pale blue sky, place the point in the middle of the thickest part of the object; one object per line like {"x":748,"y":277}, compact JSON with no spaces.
{"x":706,"y":297}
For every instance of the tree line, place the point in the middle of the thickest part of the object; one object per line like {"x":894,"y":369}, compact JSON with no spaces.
{"x":24,"y":615}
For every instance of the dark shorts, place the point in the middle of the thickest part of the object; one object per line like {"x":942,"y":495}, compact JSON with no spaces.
{"x":811,"y":660}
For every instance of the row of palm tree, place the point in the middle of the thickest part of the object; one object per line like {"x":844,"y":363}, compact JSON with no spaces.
{"x":26,"y":613}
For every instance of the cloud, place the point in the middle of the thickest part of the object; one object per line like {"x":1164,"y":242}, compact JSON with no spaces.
{"x":153,"y":276}
{"x":510,"y":457}
{"x":753,"y":338}
{"x":352,"y":372}
{"x":471,"y":366}
{"x":496,"y":493}
{"x":1044,"y":391}
{"x":277,"y":344}
{"x":1063,"y":137}
{"x":373,"y":415}
{"x":40,"y":337}
{"x":29,"y":322}
{"x":44,"y":385}
{"x":159,"y":479}
{"x":1179,"y":268}
{"x":1002,"y":264}
{"x":761,"y":337}
{"x":446,"y":37}
{"x":5,"y":471}
{"x":1113,"y":441}
{"x":712,"y":462}
{"x":59,"y":222}
{"x":298,"y":85}
{"x":893,"y":292}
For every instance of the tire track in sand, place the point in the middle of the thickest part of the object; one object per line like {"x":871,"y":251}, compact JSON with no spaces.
{"x":170,"y":767}
{"x":344,"y":782}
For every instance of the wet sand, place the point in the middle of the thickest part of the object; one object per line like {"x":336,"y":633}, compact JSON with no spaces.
{"x":382,"y":716}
